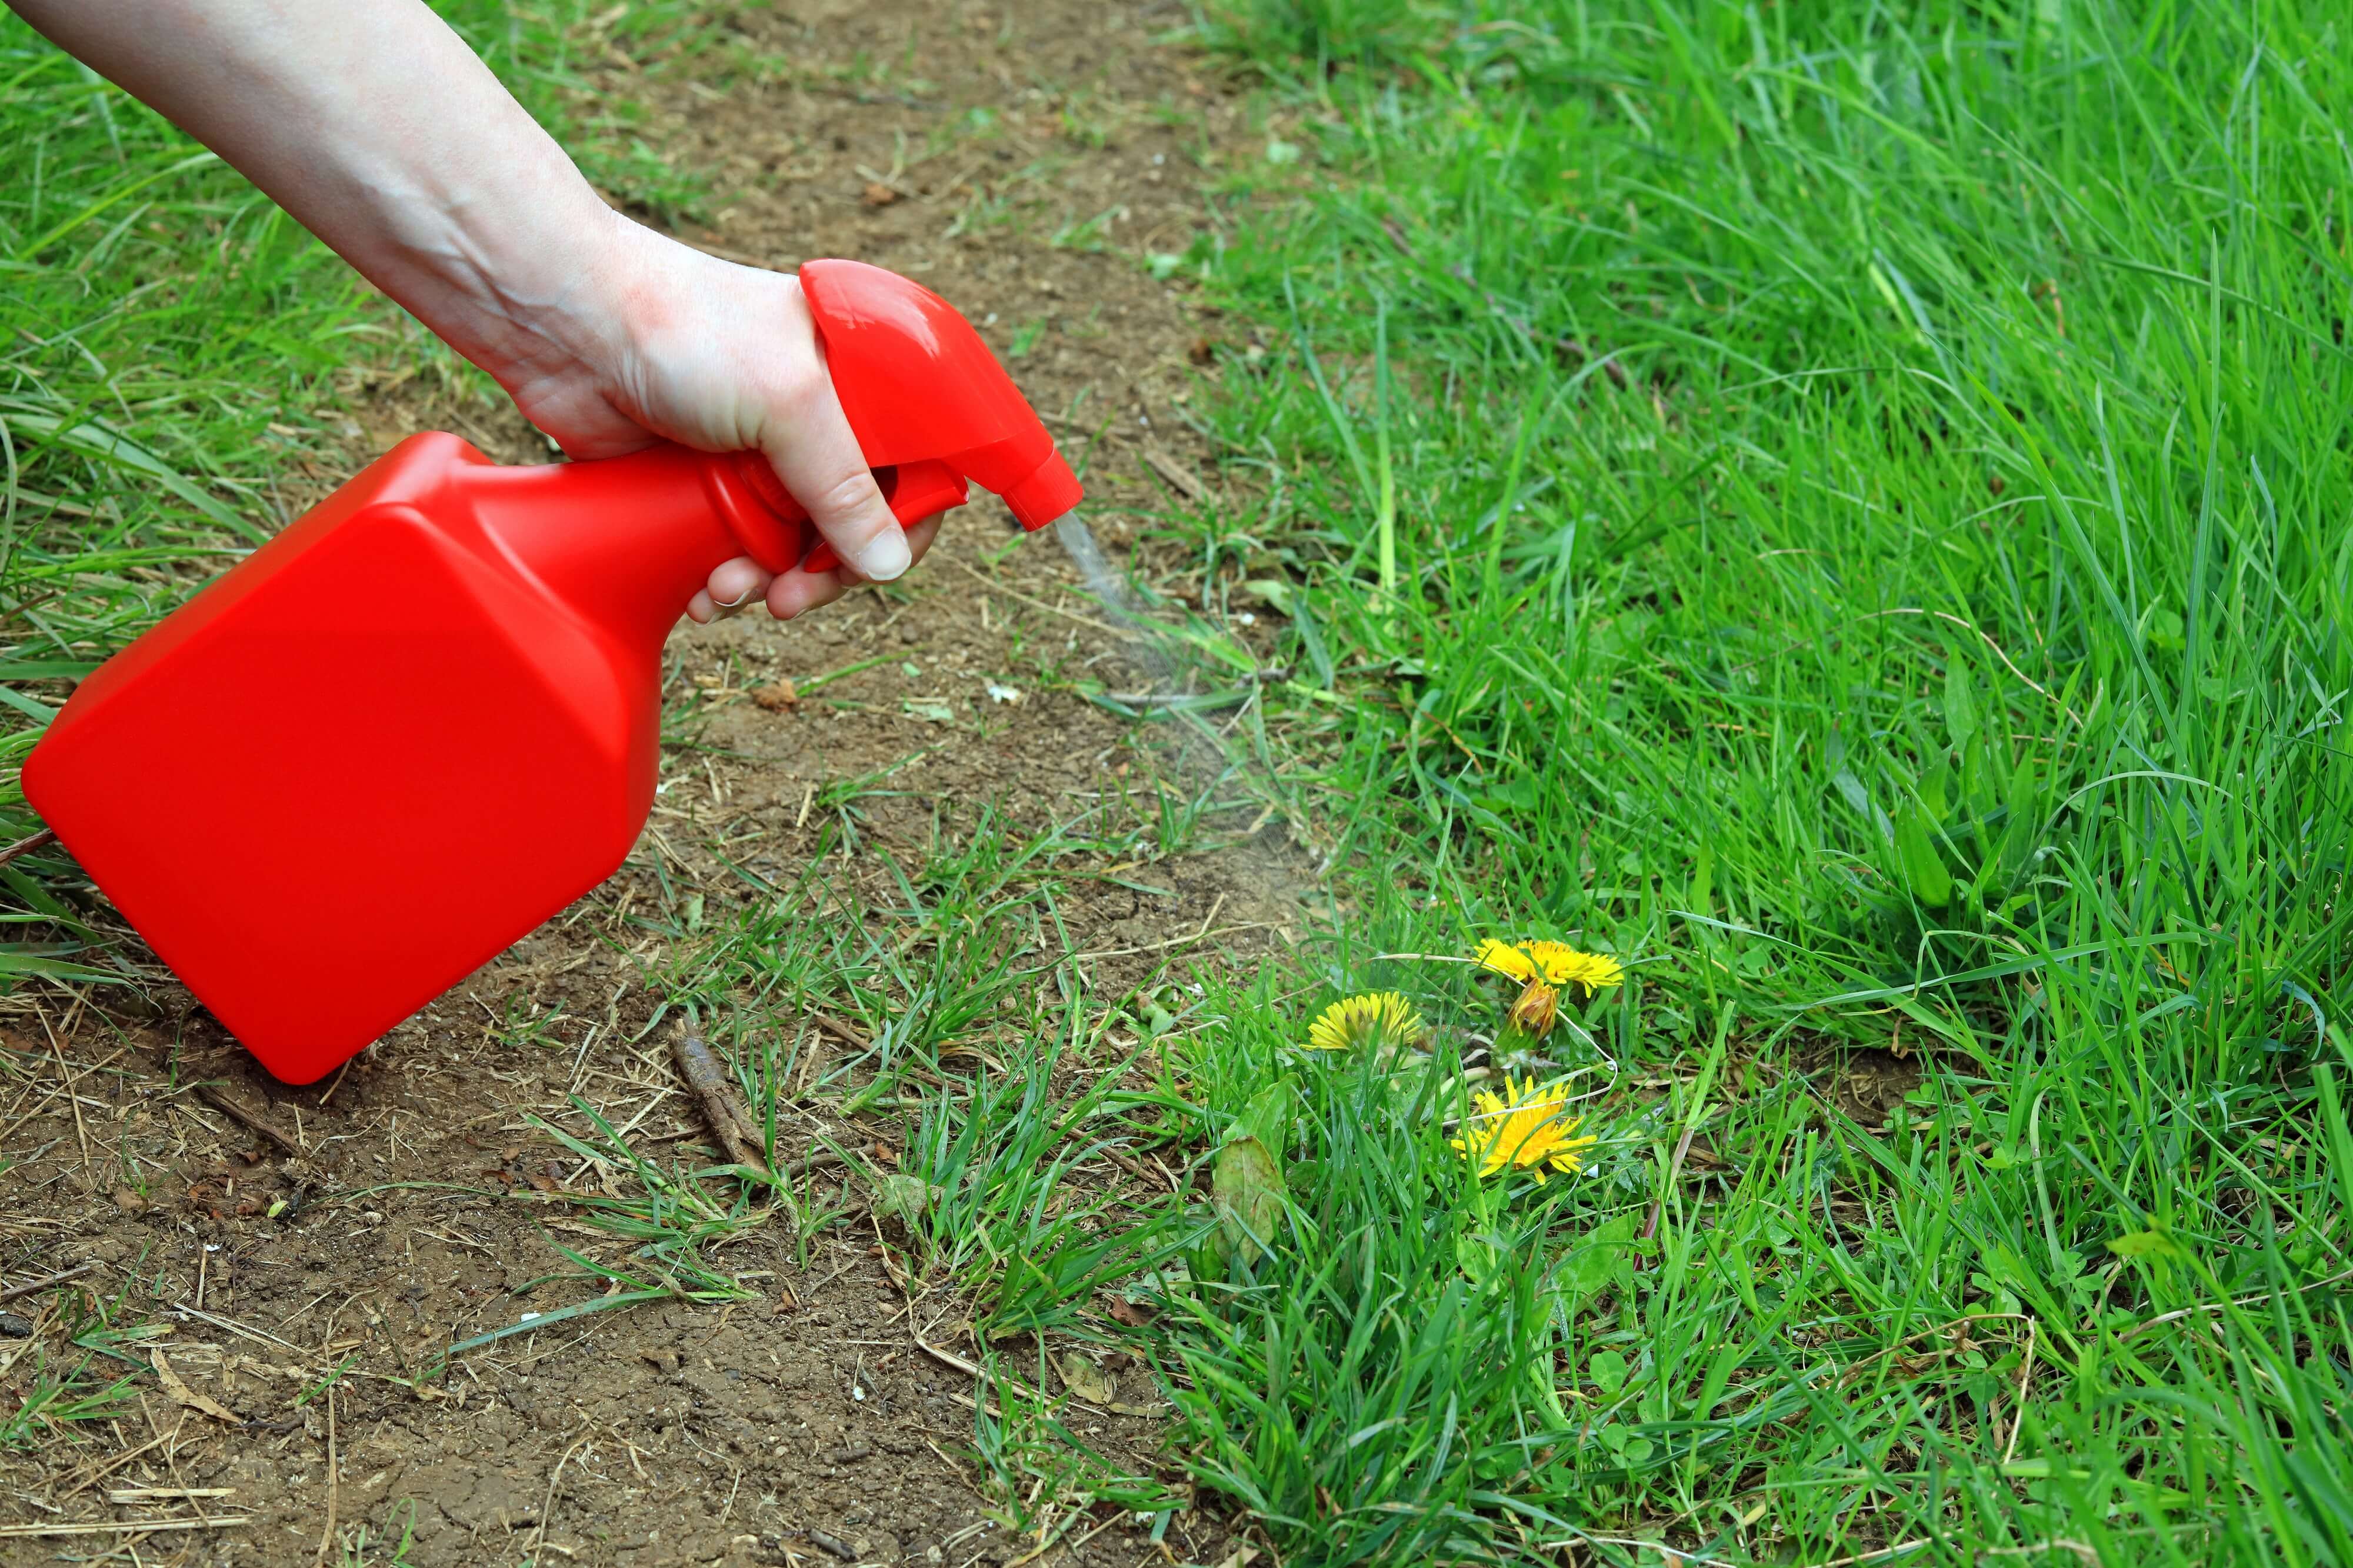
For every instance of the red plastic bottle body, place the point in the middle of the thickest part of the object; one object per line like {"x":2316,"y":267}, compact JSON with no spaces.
{"x":380,"y":750}
{"x":413,"y":725}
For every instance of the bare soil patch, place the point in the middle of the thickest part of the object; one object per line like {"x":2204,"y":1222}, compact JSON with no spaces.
{"x":969,"y":147}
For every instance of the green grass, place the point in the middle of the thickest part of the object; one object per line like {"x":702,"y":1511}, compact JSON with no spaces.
{"x":1841,"y":506}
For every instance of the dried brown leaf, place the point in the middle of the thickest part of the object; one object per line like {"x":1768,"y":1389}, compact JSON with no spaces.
{"x":182,"y":1394}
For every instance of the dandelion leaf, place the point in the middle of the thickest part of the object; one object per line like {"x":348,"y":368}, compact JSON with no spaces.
{"x":903,"y":1195}
{"x":1247,"y":1187}
{"x":1600,"y":1260}
{"x":1267,"y":1117}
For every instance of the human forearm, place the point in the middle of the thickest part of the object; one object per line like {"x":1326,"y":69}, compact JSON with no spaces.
{"x":377,"y":128}
{"x":381,"y":131}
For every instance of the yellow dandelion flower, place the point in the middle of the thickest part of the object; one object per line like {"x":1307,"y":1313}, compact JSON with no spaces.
{"x":1555,"y":963}
{"x":1359,"y":1020}
{"x":1528,"y":1126}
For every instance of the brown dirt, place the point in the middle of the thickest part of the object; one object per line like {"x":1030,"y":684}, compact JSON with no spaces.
{"x":811,"y":1422}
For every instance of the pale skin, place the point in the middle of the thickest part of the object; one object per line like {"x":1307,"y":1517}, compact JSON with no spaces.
{"x":377,"y":128}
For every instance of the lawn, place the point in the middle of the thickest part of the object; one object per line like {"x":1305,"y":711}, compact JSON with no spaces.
{"x":1837,"y":507}
{"x":1841,"y":507}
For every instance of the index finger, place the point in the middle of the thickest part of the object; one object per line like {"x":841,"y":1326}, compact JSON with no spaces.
{"x":807,"y":440}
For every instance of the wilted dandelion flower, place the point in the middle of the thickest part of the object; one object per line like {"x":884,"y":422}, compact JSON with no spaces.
{"x":1536,"y":1011}
{"x":1528,"y":1126}
{"x":1555,"y":963}
{"x":1359,"y":1020}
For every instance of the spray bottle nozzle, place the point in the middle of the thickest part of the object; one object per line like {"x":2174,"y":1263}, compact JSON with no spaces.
{"x":919,"y":386}
{"x":1049,"y":494}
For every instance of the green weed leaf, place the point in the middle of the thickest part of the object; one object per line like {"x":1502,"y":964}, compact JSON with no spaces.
{"x":2149,"y":1245}
{"x":1247,"y":1186}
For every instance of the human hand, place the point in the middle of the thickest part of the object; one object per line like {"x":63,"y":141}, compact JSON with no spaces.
{"x":663,"y":342}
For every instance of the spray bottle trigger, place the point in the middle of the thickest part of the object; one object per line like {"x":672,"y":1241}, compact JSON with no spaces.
{"x":914,"y":492}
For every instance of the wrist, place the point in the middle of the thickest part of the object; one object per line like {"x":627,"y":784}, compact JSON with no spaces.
{"x":632,"y":288}
{"x":530,"y":296}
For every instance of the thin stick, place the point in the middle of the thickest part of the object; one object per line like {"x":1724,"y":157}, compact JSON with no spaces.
{"x":82,"y":1133}
{"x":327,"y":1536}
{"x":1178,"y":940}
{"x":993,"y":586}
{"x":843,"y":1032}
{"x":219,"y":1101}
{"x":1215,"y":904}
{"x":41,"y":840}
{"x":2174,"y":1317}
{"x":1898,"y":1549}
{"x":1180,"y":478}
{"x":547,"y":1498}
{"x":113,"y":1465}
{"x":2025,"y":1371}
{"x":107,"y":1527}
{"x":99,"y":1066}
{"x":1201,"y":700}
{"x":339,"y":1079}
{"x":1137,"y":1169}
{"x":948,"y":1358}
{"x":76,"y":1272}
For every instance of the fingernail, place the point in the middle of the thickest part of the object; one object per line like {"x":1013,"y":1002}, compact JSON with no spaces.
{"x":737,"y":603}
{"x":884,"y":557}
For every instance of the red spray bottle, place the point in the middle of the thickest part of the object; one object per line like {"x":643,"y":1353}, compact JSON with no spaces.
{"x":426,"y":716}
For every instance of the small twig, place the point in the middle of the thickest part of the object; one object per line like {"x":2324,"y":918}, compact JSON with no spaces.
{"x":242,"y":1330}
{"x":547,"y":1498}
{"x":1180,"y":478}
{"x":2025,"y":1371}
{"x":115,"y":1464}
{"x":832,"y":1543}
{"x":730,"y":1123}
{"x":1881,"y":1556}
{"x":1138,"y":1169}
{"x":823,"y":1160}
{"x":76,"y":1272}
{"x":1202,"y":701}
{"x":2204,"y":1307}
{"x":843,"y":1032}
{"x":219,"y":1101}
{"x":327,"y":1536}
{"x":1215,"y":904}
{"x":338,"y":1083}
{"x":949,"y":1358}
{"x":1997,"y":653}
{"x":995,"y":586}
{"x":41,"y":840}
{"x":82,"y":1133}
{"x":124,"y":1527}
